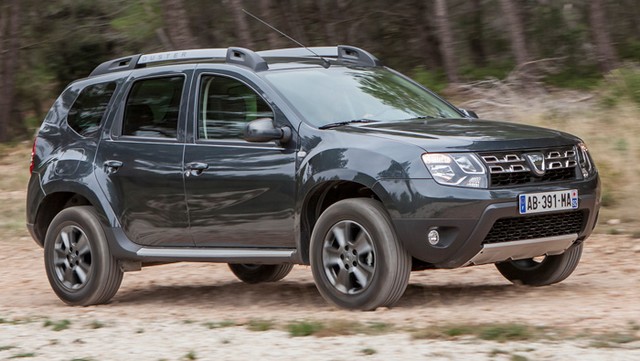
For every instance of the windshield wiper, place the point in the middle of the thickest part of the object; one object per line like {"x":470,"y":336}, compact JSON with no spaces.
{"x":420,"y":117}
{"x":340,"y":124}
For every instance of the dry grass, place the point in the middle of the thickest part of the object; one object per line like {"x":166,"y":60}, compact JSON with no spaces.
{"x":14,"y":175}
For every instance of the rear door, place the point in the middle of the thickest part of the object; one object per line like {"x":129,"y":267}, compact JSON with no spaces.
{"x":239,"y":194}
{"x":141,"y":162}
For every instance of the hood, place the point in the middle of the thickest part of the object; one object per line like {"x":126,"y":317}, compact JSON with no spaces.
{"x":460,"y":135}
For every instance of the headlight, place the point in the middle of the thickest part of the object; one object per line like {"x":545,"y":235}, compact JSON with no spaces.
{"x":456,"y":169}
{"x":587,"y":167}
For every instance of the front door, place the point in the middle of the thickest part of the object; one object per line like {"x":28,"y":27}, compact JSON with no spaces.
{"x":239,"y":194}
{"x":142,"y":171}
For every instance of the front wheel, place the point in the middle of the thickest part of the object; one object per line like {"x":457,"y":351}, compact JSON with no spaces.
{"x":356,"y":258}
{"x":79,"y":265}
{"x":547,"y":271}
{"x":259,"y":273}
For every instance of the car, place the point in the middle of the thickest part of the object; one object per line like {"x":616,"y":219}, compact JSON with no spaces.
{"x":316,"y":156}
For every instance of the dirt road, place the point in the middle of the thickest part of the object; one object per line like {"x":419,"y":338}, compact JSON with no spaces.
{"x":163,"y":312}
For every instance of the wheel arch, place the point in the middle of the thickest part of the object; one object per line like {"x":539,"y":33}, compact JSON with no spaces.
{"x":319,"y":198}
{"x":59,"y":198}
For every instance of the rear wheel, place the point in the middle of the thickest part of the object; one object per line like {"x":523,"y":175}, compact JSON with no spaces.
{"x":258,"y":273}
{"x":79,"y":265}
{"x":542,"y":272}
{"x":356,"y":259}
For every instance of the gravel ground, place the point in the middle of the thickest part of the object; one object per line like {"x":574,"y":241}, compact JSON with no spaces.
{"x":164,"y":312}
{"x":171,"y":340}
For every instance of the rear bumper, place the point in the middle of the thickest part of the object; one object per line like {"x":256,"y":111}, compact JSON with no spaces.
{"x":464,"y":217}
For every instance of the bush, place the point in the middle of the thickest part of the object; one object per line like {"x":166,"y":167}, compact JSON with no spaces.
{"x":434,"y":80}
{"x":582,"y":77}
{"x":624,"y":83}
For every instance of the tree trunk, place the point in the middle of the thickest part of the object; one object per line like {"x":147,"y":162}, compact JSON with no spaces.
{"x":242,"y":27}
{"x":606,"y":54}
{"x":10,"y":37}
{"x":273,"y":38}
{"x":447,"y":47}
{"x":4,"y":117}
{"x":324,"y":10}
{"x":516,"y":31}
{"x":476,"y":37}
{"x":177,"y":25}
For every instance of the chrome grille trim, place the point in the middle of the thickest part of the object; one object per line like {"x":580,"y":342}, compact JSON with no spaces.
{"x":508,"y":168}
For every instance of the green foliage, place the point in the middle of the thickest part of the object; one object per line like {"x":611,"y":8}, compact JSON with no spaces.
{"x":505,"y":332}
{"x":492,"y":332}
{"x":260,"y":325}
{"x":434,"y":80}
{"x":138,"y":22}
{"x":613,"y":339}
{"x":376,"y":328}
{"x":304,"y":328}
{"x":23,"y":355}
{"x":191,"y":355}
{"x":368,"y":351}
{"x":518,"y":358}
{"x":495,"y":71}
{"x":585,"y":77}
{"x":557,"y":32}
{"x":221,"y":324}
{"x":629,"y":49}
{"x":624,"y":83}
{"x":57,"y":325}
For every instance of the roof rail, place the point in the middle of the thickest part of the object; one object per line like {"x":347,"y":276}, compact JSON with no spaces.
{"x":239,"y":56}
{"x":346,"y":53}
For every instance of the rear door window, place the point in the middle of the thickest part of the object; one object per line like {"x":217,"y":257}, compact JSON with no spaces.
{"x":153,"y":107}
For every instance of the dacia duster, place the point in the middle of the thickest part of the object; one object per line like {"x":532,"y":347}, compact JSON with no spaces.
{"x":267,"y":159}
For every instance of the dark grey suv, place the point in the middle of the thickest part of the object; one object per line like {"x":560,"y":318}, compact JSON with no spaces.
{"x":268,"y":159}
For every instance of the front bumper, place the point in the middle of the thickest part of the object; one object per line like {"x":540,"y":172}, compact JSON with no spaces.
{"x":464,"y":217}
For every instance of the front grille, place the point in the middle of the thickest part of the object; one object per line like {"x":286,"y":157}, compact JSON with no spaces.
{"x":535,"y":226}
{"x":513,"y":168}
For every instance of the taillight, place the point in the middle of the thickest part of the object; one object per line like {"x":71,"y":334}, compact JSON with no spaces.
{"x":33,"y":155}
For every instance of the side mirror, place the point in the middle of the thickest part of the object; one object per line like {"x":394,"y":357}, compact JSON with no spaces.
{"x":469,"y":113}
{"x":262,"y":130}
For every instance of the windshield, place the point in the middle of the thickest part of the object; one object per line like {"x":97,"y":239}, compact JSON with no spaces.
{"x":340,"y":94}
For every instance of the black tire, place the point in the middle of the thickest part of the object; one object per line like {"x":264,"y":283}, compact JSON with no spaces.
{"x":550,"y":270}
{"x":371,"y":268}
{"x":79,"y":265}
{"x":258,"y":273}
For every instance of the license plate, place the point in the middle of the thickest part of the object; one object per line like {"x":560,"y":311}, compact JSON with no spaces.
{"x":548,"y":201}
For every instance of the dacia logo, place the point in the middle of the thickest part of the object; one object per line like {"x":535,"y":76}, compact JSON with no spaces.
{"x":536,"y":161}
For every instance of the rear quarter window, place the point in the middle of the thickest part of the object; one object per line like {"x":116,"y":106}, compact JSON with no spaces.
{"x":87,"y":112}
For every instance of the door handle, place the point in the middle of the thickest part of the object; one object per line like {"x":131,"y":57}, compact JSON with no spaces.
{"x":196,"y":168}
{"x":112,"y":166}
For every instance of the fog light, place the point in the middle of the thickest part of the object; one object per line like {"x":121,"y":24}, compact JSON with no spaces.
{"x":433,"y":237}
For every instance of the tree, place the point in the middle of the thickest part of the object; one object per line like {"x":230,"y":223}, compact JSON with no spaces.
{"x":273,"y":38}
{"x":516,"y":32}
{"x":475,"y":36}
{"x":242,"y":33}
{"x":177,"y":24}
{"x":446,"y":41}
{"x":606,"y":54}
{"x":9,"y":52}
